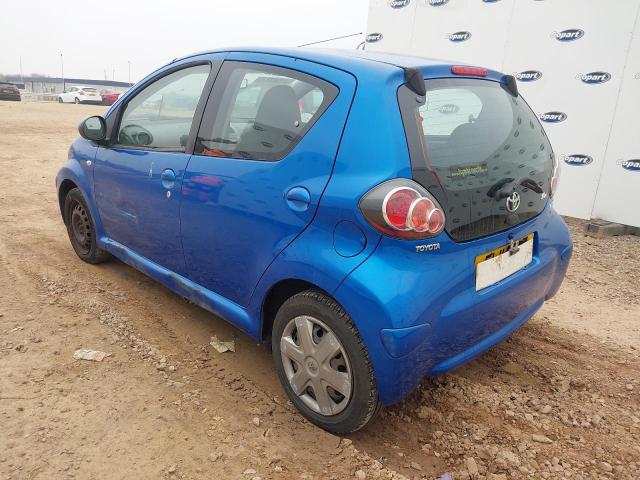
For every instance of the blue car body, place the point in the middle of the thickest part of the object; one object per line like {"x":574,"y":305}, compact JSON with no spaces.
{"x":229,"y":235}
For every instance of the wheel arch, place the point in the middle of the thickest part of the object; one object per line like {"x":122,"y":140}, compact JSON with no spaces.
{"x":65,"y":187}
{"x":279,"y":293}
{"x":73,"y":175}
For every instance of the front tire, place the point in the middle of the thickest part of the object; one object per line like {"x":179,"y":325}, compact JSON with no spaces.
{"x":323,"y":364}
{"x":81,"y":228}
{"x":59,"y":100}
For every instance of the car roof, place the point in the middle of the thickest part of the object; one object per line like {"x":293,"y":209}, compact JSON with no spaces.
{"x":349,"y":60}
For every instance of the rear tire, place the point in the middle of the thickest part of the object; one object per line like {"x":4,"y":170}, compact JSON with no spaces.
{"x":302,"y":365}
{"x":76,"y":101}
{"x":81,"y":228}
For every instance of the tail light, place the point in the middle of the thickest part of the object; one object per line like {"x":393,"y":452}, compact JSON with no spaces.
{"x":403,"y":209}
{"x":80,"y":92}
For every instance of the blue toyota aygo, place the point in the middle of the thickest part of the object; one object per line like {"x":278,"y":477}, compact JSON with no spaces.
{"x":376,"y":218}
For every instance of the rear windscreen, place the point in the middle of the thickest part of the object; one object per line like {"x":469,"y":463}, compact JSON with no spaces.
{"x":472,"y":143}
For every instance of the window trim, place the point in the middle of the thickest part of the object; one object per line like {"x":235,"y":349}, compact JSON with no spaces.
{"x":215,"y":101}
{"x":214,"y":67}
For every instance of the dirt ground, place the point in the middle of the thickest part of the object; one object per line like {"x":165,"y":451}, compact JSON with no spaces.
{"x":559,"y":399}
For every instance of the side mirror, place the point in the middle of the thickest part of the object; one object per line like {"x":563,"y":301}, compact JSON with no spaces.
{"x":93,"y":128}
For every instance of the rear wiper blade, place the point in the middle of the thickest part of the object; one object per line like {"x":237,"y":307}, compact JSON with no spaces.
{"x":505,"y":187}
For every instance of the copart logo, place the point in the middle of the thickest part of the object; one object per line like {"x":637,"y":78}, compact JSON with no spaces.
{"x":595,"y":77}
{"x":438,"y":3}
{"x":529,"y":75}
{"x":399,"y":3}
{"x":448,"y":108}
{"x":568,"y":35}
{"x":578,"y":160}
{"x":373,"y":37}
{"x":632,"y":165}
{"x":552,"y":117}
{"x":460,"y":36}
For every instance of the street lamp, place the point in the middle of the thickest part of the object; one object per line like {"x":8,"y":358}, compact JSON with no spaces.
{"x":129,"y":65}
{"x":62,"y":71}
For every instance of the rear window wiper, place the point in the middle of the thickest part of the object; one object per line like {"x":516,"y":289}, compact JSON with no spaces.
{"x":505,"y":187}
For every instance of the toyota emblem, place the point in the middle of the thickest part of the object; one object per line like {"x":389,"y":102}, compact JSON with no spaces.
{"x":513,"y":202}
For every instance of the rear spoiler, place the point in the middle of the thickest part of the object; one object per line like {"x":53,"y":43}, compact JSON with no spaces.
{"x":510,"y":84}
{"x":415,"y":81}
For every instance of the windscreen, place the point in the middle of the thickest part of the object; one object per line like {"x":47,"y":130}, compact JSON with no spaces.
{"x":481,"y":151}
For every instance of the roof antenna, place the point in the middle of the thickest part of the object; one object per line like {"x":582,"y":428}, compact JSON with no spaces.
{"x":415,"y":81}
{"x":330,"y":39}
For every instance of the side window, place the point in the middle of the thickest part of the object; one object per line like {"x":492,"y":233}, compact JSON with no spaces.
{"x":260,"y":112}
{"x":160,"y":116}
{"x":447,"y":108}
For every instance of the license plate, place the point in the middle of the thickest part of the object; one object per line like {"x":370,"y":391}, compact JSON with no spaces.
{"x":498,"y":264}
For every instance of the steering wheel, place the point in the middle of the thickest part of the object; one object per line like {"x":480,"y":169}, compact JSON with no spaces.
{"x":135,"y":135}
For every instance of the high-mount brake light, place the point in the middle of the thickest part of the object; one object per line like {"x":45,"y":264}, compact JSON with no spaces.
{"x":472,"y":71}
{"x":404,"y":209}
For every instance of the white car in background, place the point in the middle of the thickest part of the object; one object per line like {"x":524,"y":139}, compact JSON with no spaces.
{"x":80,"y":95}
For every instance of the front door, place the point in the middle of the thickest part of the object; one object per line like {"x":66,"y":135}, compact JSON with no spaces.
{"x":264,"y":153}
{"x":137,"y":179}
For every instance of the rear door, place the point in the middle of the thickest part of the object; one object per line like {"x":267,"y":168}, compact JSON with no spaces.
{"x":264,"y":154}
{"x":486,"y":158}
{"x":480,"y":144}
{"x":137,"y":179}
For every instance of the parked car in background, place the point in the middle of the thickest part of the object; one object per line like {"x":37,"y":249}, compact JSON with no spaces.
{"x":109,"y":97}
{"x":8,"y":91}
{"x":80,"y":95}
{"x":375,"y":217}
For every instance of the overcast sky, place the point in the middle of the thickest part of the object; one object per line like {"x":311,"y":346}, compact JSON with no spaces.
{"x":95,"y":37}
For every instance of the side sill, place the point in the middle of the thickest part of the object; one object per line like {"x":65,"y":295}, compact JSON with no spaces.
{"x":213,"y":302}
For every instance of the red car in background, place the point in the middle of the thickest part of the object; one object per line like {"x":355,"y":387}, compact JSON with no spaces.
{"x":8,"y":91}
{"x":109,"y":97}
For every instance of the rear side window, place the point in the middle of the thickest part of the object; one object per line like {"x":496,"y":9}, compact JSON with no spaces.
{"x":259,"y":112}
{"x":469,"y":138}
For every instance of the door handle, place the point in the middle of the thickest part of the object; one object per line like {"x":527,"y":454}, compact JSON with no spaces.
{"x":168,"y":178}
{"x":298,"y":199}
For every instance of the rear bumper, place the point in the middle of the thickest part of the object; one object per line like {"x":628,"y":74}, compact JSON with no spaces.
{"x":92,"y":102}
{"x":420,"y":314}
